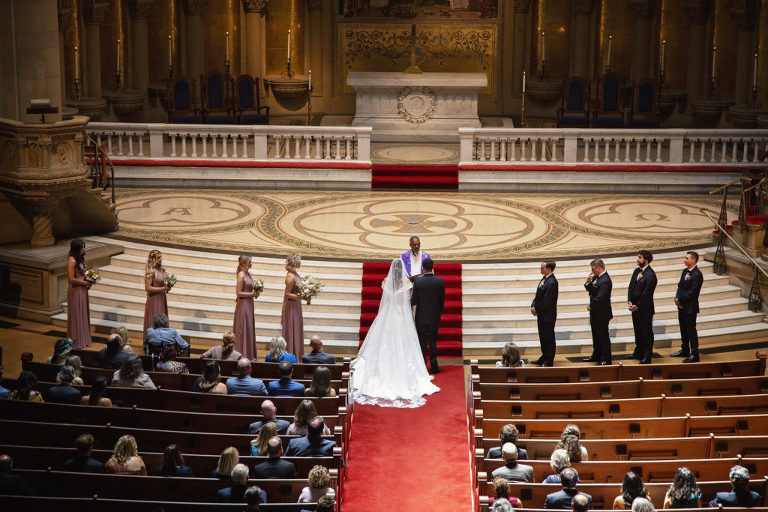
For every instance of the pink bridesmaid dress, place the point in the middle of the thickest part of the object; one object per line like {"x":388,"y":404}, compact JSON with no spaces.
{"x":243,"y":327}
{"x":292,"y":323}
{"x":157,"y":302}
{"x":78,"y":312}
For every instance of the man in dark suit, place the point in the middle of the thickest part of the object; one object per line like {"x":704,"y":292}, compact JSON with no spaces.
{"x":268,"y":413}
{"x":740,"y":495}
{"x":10,"y":483}
{"x":317,"y":356}
{"x":563,"y":498}
{"x":236,"y":492}
{"x":599,"y":287}
{"x":544,"y":308}
{"x":313,"y":444}
{"x":687,"y":302}
{"x":428,"y":300}
{"x":83,"y":462}
{"x":274,"y":467}
{"x":64,"y":393}
{"x":642,"y":284}
{"x":286,"y":386}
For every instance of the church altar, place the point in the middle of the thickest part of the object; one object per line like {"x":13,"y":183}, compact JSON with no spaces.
{"x":432,"y":106}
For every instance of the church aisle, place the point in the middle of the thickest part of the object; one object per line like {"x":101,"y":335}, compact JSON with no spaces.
{"x":412,"y":459}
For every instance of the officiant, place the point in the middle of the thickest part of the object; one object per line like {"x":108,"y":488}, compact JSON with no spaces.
{"x":412,"y":259}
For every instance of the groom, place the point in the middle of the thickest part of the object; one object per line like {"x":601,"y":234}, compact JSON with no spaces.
{"x":428,"y":300}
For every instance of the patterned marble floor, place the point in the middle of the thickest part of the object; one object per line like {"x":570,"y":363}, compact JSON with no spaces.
{"x":452,"y":226}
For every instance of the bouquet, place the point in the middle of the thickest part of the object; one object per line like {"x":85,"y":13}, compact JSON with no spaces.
{"x":170,"y":280}
{"x":258,"y":285}
{"x":309,"y":287}
{"x":92,"y":276}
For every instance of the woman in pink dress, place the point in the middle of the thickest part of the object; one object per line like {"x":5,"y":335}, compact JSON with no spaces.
{"x":245,"y":338}
{"x":292,"y":321}
{"x":78,"y":310}
{"x":154,"y":284}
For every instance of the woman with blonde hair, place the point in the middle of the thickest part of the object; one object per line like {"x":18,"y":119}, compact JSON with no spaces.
{"x":154,"y":284}
{"x":76,"y":363}
{"x":260,"y":445}
{"x":121,"y":331}
{"x":318,"y":481}
{"x":225,"y":351}
{"x":210,"y":380}
{"x":301,"y":417}
{"x":228,"y":459}
{"x":243,"y":325}
{"x":277,"y":353}
{"x":292,"y":320}
{"x":125,"y":460}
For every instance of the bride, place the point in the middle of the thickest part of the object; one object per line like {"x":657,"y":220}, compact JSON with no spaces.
{"x":390,"y":369}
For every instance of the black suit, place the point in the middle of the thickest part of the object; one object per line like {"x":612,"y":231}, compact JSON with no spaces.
{"x":688,"y":290}
{"x":562,"y":499}
{"x":84,"y":464}
{"x":640,"y":293}
{"x":318,"y":357}
{"x":429,"y":298}
{"x":733,"y":499}
{"x":63,"y":394}
{"x":545,"y":304}
{"x":600,"y":314}
{"x":274,"y":467}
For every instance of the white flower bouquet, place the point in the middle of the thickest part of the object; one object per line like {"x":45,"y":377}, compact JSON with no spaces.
{"x":309,"y":287}
{"x":92,"y":276}
{"x":258,"y":285}
{"x":170,"y":280}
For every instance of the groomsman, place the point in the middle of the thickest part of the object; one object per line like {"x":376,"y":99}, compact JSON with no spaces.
{"x":599,"y":287}
{"x":687,"y":301}
{"x":544,"y":308}
{"x":640,"y":303}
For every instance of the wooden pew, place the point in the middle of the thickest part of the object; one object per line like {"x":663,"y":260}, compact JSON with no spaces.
{"x":90,"y":504}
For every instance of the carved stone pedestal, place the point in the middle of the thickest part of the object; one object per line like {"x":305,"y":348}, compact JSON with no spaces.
{"x":126,"y":104}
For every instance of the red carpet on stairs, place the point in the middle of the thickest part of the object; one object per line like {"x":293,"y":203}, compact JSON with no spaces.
{"x":429,"y":177}
{"x":449,"y":334}
{"x":409,"y":460}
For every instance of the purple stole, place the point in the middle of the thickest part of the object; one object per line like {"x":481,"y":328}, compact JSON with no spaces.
{"x":406,"y":257}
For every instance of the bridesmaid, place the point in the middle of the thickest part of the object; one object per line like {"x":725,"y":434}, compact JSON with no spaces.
{"x":78,"y":310}
{"x":154,"y":284}
{"x":245,"y":338}
{"x":292,"y":320}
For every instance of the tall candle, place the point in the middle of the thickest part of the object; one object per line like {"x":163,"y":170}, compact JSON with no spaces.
{"x":170,"y":52}
{"x":544,"y":47}
{"x":226,"y":57}
{"x":610,"y":41}
{"x":289,"y":46}
{"x":77,"y":65}
{"x":523,"y":80}
{"x":663,"y":48}
{"x":714,"y":61}
{"x":118,"y":55}
{"x":754,"y":72}
{"x":310,"y":79}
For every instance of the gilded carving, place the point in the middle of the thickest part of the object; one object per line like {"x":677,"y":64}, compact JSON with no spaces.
{"x":255,"y":7}
{"x":94,"y":13}
{"x":416,"y":104}
{"x":582,"y":6}
{"x":194,"y":6}
{"x":139,"y":9}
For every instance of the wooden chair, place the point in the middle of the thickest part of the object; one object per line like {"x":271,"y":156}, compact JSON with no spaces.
{"x":217,"y":98}
{"x":645,"y":105}
{"x":609,"y":102}
{"x":574,"y":111}
{"x":248,"y":107}
{"x":182,"y":108}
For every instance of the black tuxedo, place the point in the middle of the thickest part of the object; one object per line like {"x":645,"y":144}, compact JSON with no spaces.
{"x":63,"y":394}
{"x":687,"y":295}
{"x":545,"y":304}
{"x":600,"y":314}
{"x":429,"y":298}
{"x":640,"y":293}
{"x":274,"y":467}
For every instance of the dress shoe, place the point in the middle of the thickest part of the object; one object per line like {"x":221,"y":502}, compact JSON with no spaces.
{"x":537,"y":361}
{"x":545,"y":364}
{"x":590,"y":359}
{"x":680,"y":353}
{"x":435,"y":370}
{"x":604,"y":363}
{"x":636,"y":355}
{"x":693,"y":358}
{"x":645,"y":360}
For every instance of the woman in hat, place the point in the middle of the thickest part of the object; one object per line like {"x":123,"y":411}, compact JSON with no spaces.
{"x":60,"y":351}
{"x":78,"y":310}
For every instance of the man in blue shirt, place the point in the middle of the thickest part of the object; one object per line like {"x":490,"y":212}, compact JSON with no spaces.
{"x":244,"y":384}
{"x":286,"y":386}
{"x":313,"y":444}
{"x":162,"y":336}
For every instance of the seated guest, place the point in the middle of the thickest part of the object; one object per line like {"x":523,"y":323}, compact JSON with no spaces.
{"x":510,"y":356}
{"x":326,"y":504}
{"x":501,"y":490}
{"x":61,"y":350}
{"x":83,"y":462}
{"x":277,"y":353}
{"x":227,"y":460}
{"x":4,"y":392}
{"x":562,"y":499}
{"x":253,"y":497}
{"x":260,"y":445}
{"x":558,"y":461}
{"x":77,"y":364}
{"x":569,"y":441}
{"x":113,"y":356}
{"x":161,"y":336}
{"x":25,"y":388}
{"x":64,"y":393}
{"x":210,"y":380}
{"x":244,"y":384}
{"x":507,"y":434}
{"x":131,"y":374}
{"x":10,"y":483}
{"x":501,"y":505}
{"x":580,"y":503}
{"x":274,"y":466}
{"x":313,"y":445}
{"x":125,"y":345}
{"x":642,"y":505}
{"x":317,"y":356}
{"x":683,"y":493}
{"x":513,"y":470}
{"x":268,"y":415}
{"x":632,"y":487}
{"x":125,"y":459}
{"x":173,"y":463}
{"x":321,"y":383}
{"x":235,"y":493}
{"x":304,"y":413}
{"x":318,"y":480}
{"x":168,"y":362}
{"x":98,"y":390}
{"x":740,"y":495}
{"x":286,"y":386}
{"x":225,"y":351}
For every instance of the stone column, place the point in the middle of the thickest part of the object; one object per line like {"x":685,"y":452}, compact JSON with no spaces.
{"x":582,"y":10}
{"x":65,"y":20}
{"x":255,"y":12}
{"x":746,"y":21}
{"x":698,"y":13}
{"x":519,"y":36}
{"x":93,"y":15}
{"x":641,"y":41}
{"x":138,"y":10}
{"x":315,"y":40}
{"x":194,"y":54}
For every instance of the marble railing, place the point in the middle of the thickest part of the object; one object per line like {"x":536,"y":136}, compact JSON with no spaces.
{"x":487,"y":146}
{"x":232,"y":142}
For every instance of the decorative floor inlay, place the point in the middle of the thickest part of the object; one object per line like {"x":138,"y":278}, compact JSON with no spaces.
{"x":415,"y":154}
{"x":456,"y":226}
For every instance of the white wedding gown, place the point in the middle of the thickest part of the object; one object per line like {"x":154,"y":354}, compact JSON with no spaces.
{"x":389,"y":370}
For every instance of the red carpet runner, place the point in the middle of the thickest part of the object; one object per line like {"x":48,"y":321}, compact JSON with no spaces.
{"x":429,"y":177}
{"x":410,"y":460}
{"x":449,"y":335}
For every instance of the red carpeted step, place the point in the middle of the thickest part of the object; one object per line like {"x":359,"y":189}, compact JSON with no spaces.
{"x":415,"y":176}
